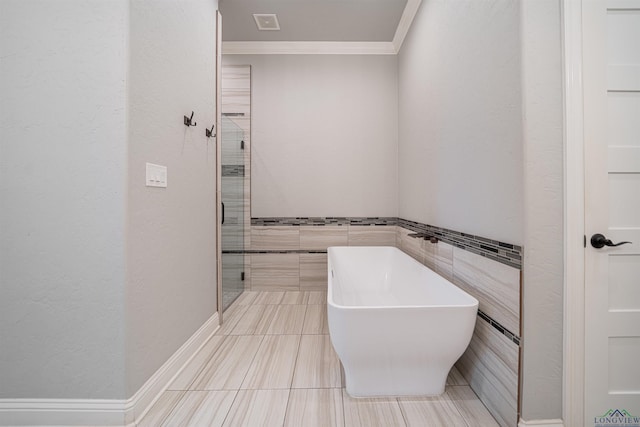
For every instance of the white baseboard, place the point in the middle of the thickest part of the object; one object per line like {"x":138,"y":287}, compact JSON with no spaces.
{"x":106,"y":412}
{"x":546,"y":423}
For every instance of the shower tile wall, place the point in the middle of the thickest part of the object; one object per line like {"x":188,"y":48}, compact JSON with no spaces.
{"x":290,"y":254}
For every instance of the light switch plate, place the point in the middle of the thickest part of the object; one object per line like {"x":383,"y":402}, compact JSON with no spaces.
{"x":156,"y":175}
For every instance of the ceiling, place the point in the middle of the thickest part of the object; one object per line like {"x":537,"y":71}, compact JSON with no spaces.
{"x":313,"y":20}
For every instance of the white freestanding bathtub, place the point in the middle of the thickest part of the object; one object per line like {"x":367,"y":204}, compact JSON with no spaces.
{"x":397,"y":326}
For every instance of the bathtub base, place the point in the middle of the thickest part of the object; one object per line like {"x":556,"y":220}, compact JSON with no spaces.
{"x":364,"y":383}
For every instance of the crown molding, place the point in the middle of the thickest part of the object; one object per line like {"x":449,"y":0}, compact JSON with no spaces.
{"x":307,"y":48}
{"x":410,"y":10}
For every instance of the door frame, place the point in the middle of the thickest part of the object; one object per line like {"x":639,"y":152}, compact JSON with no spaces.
{"x":573,"y":394}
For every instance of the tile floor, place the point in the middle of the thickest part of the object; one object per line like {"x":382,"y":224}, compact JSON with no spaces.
{"x":272,"y":364}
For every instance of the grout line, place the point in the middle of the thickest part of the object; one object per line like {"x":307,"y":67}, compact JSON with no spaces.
{"x":295,"y":363}
{"x":455,"y":406}
{"x":205,"y":363}
{"x":173,"y":408}
{"x":230,"y":407}
{"x":342,"y":392}
{"x":404,"y":416}
{"x":286,"y":408}
{"x":183,"y":393}
{"x":251,"y":363}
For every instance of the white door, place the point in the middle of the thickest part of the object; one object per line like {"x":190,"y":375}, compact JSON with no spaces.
{"x":611,"y":72}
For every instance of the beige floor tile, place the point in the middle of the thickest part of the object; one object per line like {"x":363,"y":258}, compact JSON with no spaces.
{"x":317,"y":365}
{"x":231,"y":317}
{"x":430,"y":411}
{"x":268,"y":297}
{"x":201,"y":408}
{"x":471,"y":408}
{"x":246,"y":298}
{"x":317,"y":297}
{"x":295,"y":297}
{"x":161,"y":409}
{"x":258,"y":408}
{"x":315,"y":320}
{"x":256,"y":320}
{"x":265,"y":367}
{"x":287,"y":320}
{"x":456,"y":378}
{"x":193,"y":368}
{"x":315,"y":408}
{"x":228,"y":366}
{"x":273,"y":366}
{"x":372,"y":412}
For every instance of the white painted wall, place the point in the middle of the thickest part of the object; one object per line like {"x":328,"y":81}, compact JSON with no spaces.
{"x":460,"y":126}
{"x":63,"y":148}
{"x":543,"y":218}
{"x":324,"y":134}
{"x":103,"y":278}
{"x":171,"y":269}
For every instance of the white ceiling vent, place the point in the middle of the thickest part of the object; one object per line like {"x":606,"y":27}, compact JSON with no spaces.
{"x":266,"y":21}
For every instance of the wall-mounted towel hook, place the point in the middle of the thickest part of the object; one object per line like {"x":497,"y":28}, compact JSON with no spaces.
{"x":209,"y":133}
{"x":187,"y":120}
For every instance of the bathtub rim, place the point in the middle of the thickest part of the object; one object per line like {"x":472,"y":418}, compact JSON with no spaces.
{"x":332,"y":303}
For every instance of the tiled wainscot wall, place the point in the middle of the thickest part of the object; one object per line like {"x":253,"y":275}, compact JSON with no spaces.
{"x":290,"y":254}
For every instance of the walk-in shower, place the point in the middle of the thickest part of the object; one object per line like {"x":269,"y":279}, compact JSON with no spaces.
{"x":233,"y":210}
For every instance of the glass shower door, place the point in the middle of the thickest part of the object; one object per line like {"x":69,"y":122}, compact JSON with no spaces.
{"x":233,"y":227}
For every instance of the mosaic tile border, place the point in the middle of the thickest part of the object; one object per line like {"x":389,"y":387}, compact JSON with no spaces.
{"x":504,"y":253}
{"x":497,"y":326}
{"x":322,"y":221}
{"x":292,"y":251}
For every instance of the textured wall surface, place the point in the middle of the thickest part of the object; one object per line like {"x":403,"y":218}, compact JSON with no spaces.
{"x":103,"y":278}
{"x":62,"y":184}
{"x":171,"y":269}
{"x":543,"y":219}
{"x":324,"y":134}
{"x":460,"y":127}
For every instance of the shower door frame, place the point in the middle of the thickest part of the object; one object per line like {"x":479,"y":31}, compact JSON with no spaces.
{"x":219,"y":294}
